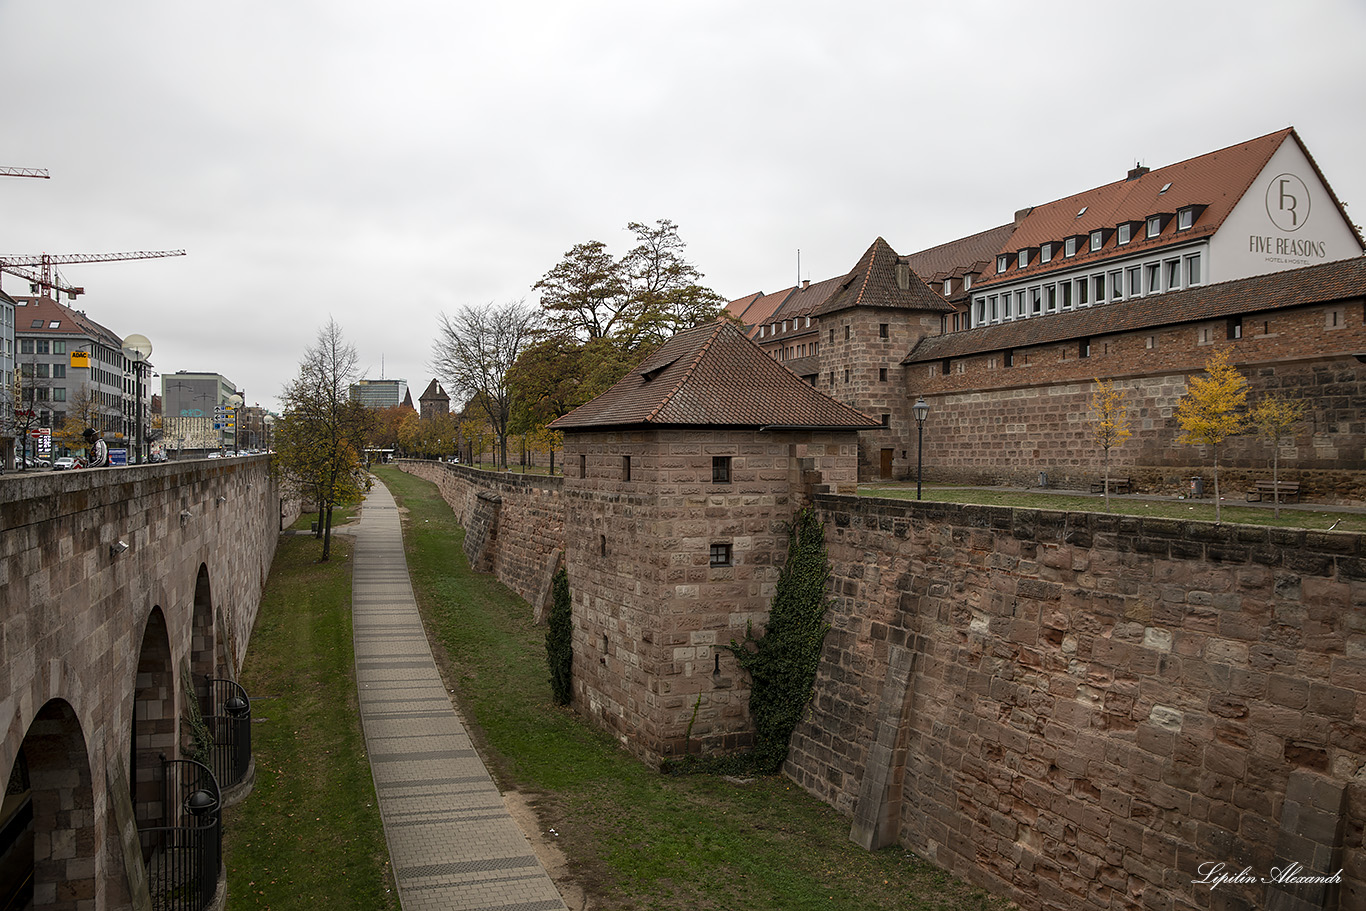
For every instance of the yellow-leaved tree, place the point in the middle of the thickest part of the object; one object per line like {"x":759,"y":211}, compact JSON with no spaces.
{"x":1211,"y":410}
{"x":1110,"y":426}
{"x":1274,"y":418}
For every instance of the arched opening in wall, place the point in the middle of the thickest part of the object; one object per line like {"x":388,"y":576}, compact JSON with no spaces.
{"x":217,"y":728}
{"x":154,"y":720}
{"x":47,"y":822}
{"x":202,"y":641}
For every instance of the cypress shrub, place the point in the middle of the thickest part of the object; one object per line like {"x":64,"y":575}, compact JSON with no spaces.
{"x":559,"y":640}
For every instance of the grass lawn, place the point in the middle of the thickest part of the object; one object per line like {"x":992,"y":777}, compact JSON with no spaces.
{"x":1296,"y":515}
{"x":309,"y":836}
{"x":635,"y":839}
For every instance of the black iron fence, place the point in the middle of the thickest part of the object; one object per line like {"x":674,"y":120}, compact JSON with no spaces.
{"x":228,"y":718}
{"x":185,"y":851}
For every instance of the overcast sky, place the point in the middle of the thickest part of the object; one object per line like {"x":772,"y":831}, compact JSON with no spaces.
{"x":381,"y":163}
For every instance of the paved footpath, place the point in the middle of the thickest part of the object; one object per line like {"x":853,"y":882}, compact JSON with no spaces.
{"x":452,"y":843}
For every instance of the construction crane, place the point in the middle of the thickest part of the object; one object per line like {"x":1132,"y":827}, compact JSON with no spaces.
{"x":38,"y":268}
{"x":24,"y":172}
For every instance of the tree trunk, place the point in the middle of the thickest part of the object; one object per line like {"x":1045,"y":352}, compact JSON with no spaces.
{"x":1218,"y":518}
{"x":1275,"y":476}
{"x":327,"y":535}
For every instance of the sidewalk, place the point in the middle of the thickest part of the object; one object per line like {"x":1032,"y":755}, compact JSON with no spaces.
{"x":452,"y":842}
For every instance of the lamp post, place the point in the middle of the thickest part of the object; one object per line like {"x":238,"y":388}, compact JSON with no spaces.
{"x":235,"y":403}
{"x":138,"y":349}
{"x":921,"y":411}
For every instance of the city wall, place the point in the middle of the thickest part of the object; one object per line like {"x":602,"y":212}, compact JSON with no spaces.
{"x":1077,"y":710}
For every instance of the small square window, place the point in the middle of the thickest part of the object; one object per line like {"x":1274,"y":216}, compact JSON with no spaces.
{"x":1096,"y":239}
{"x":1045,"y":253}
{"x":720,"y":469}
{"x":1154,"y":226}
{"x":1125,"y":232}
{"x":881,"y":330}
{"x":948,"y":287}
{"x":1084,"y":348}
{"x":1185,"y":219}
{"x":1069,"y":247}
{"x":886,"y":420}
{"x":1024,"y":258}
{"x":846,"y":374}
{"x":1234,"y":329}
{"x":882,"y":374}
{"x":832,"y":335}
{"x":1009,"y":357}
{"x":847,"y":332}
{"x":721,"y":555}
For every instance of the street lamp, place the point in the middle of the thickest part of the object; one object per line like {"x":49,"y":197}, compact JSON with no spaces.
{"x":138,"y":349}
{"x":235,"y":403}
{"x":921,"y":411}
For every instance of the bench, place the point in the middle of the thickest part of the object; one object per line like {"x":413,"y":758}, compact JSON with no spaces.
{"x":1117,"y":485}
{"x":1288,"y":490}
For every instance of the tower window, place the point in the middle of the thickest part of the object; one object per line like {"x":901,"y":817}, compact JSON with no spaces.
{"x":720,"y":469}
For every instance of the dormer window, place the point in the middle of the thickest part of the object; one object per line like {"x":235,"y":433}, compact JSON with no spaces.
{"x":1002,"y":262}
{"x":1154,"y":225}
{"x":1097,"y":238}
{"x":967,"y":282}
{"x":1125,"y":233}
{"x":1023,"y":260}
{"x":948,"y":287}
{"x":1185,"y":219}
{"x":1045,"y":253}
{"x":762,"y":329}
{"x":1069,"y":247}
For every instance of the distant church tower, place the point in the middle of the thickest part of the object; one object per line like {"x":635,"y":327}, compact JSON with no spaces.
{"x":434,"y":401}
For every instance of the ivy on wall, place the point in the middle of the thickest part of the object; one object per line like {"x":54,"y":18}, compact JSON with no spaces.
{"x":559,"y":639}
{"x":782,"y":664}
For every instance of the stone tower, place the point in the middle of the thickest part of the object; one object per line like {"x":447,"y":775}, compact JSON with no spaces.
{"x":434,"y":401}
{"x":679,"y":482}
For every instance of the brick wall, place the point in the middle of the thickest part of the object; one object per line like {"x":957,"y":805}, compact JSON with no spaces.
{"x":1095,"y":705}
{"x":991,"y":423}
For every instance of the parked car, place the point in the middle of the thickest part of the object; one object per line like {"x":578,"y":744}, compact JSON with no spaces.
{"x":67,"y":463}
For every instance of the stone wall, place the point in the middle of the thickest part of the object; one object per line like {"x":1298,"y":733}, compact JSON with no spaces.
{"x":526,"y":512}
{"x":76,"y":608}
{"x":1079,"y":710}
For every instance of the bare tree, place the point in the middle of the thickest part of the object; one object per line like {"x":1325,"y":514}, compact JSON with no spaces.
{"x":475,"y":349}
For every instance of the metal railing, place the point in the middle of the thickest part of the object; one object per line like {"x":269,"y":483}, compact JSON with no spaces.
{"x":185,"y":852}
{"x":228,"y":717}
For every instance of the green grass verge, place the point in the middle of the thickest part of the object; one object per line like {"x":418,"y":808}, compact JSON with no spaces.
{"x":1297,"y":515}
{"x":309,"y":836}
{"x":636,"y":839}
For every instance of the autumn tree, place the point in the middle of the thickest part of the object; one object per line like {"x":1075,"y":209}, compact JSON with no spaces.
{"x":474,"y":352}
{"x":603,"y":316}
{"x":1274,"y":418}
{"x":1211,"y":410}
{"x":1109,"y":427}
{"x":320,"y":440}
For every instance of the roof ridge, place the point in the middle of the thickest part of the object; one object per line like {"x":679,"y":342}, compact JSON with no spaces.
{"x":715,"y":327}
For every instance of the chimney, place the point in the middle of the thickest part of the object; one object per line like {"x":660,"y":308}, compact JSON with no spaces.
{"x":806,"y":283}
{"x":1137,"y":172}
{"x":1022,"y":214}
{"x":903,"y":276}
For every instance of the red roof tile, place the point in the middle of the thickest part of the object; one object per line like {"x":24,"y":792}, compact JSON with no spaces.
{"x":713,"y":376}
{"x":873,"y":283}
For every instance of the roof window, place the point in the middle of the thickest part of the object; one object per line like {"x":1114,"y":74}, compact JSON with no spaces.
{"x":1023,"y":261}
{"x":1002,"y":262}
{"x":1045,"y":253}
{"x":55,"y":324}
{"x":1165,"y":188}
{"x":1081,"y":211}
{"x":1185,"y":219}
{"x":948,"y":286}
{"x":1126,"y":231}
{"x":1154,"y":225}
{"x":1069,"y":247}
{"x":1097,"y":240}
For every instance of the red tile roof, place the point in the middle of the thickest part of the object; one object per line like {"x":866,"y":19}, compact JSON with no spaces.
{"x":1325,"y":283}
{"x":1215,"y":181}
{"x":713,"y":376}
{"x":957,"y":257}
{"x":873,"y":283}
{"x":70,"y":322}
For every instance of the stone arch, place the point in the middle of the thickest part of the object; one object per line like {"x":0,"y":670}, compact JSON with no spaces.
{"x":203,"y":664}
{"x":47,"y":825}
{"x":154,"y":719}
